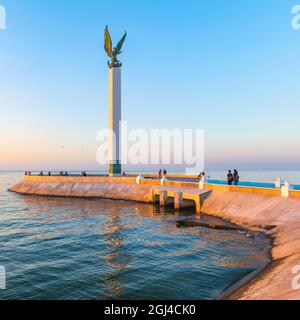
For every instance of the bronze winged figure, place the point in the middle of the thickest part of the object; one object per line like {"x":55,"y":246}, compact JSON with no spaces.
{"x":113,"y":52}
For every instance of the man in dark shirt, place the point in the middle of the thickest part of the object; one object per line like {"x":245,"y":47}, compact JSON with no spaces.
{"x":229,"y":178}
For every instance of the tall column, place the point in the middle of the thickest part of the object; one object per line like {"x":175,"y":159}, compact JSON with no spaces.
{"x":114,"y":120}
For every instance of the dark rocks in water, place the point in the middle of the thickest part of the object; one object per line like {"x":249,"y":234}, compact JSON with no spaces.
{"x":191,"y":223}
{"x":266,"y":228}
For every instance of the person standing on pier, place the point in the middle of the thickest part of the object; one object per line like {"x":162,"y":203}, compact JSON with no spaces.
{"x":236,"y":177}
{"x":160,"y":173}
{"x":229,"y":178}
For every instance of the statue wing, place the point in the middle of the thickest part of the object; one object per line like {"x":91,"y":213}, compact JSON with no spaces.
{"x":120,"y":44}
{"x":108,"y":43}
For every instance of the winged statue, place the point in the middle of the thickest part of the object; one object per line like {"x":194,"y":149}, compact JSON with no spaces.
{"x":113,"y":52}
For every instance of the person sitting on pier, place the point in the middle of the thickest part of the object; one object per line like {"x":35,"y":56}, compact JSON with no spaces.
{"x":124,"y":174}
{"x":229,"y":178}
{"x":26,"y":173}
{"x":201,"y":176}
{"x":83,"y":174}
{"x":41,"y":173}
{"x":49,"y":173}
{"x":66,"y":174}
{"x":236,"y":177}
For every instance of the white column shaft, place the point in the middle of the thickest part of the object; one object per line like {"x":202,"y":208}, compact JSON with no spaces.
{"x":114,"y":113}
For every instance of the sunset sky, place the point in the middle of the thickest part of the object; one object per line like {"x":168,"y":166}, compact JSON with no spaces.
{"x":229,"y":67}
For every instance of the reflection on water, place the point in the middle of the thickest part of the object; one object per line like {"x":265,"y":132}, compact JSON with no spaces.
{"x":117,"y":258}
{"x":57,"y":248}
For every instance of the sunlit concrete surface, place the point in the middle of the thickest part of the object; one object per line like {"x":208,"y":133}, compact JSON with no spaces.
{"x":257,"y":211}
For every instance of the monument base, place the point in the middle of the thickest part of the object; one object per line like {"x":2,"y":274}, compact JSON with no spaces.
{"x":115,"y":169}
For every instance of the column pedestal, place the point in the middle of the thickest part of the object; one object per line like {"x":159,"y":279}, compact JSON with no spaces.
{"x":115,"y":169}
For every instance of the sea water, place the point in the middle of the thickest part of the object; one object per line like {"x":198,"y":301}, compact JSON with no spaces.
{"x":64,"y":248}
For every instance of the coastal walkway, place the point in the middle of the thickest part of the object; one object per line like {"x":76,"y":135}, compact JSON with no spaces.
{"x":179,"y":194}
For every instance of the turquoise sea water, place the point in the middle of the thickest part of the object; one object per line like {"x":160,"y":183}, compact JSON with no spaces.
{"x":57,"y":248}
{"x":264,"y":176}
{"x":261,"y":179}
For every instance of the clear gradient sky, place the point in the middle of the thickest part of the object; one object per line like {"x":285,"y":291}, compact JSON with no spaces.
{"x":231,"y":67}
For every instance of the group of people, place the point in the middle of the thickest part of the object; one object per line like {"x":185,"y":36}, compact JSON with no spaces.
{"x":233,"y":178}
{"x":61,"y":173}
{"x":162,"y":173}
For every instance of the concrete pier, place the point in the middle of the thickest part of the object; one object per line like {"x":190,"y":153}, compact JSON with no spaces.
{"x":163,"y":197}
{"x":178,"y":200}
{"x":181,"y":197}
{"x":278,"y":217}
